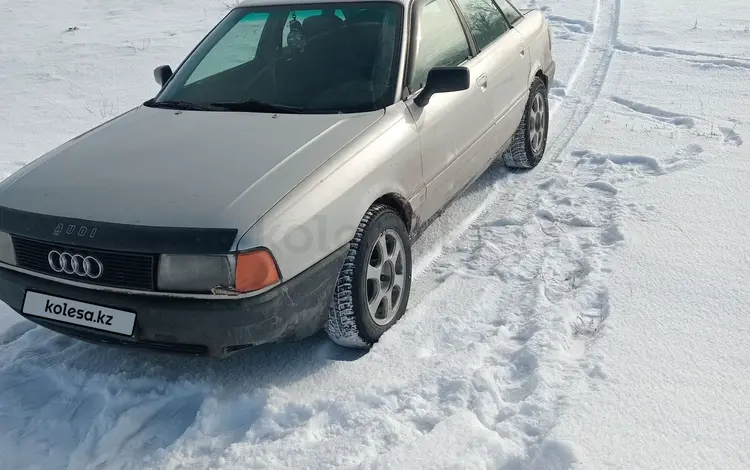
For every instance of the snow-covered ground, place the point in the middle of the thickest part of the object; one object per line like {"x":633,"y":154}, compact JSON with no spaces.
{"x":590,"y":314}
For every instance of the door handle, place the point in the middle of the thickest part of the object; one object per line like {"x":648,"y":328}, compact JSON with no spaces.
{"x":521,"y":49}
{"x":482,"y":81}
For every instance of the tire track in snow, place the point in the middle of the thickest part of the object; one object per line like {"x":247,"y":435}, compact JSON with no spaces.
{"x":701,"y":59}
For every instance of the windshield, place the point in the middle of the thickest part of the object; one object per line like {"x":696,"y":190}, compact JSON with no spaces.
{"x":314,"y":58}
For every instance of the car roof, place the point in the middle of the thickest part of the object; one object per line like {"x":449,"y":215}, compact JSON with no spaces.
{"x":250,"y":3}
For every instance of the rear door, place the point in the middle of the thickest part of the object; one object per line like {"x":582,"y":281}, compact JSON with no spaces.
{"x":453,"y":127}
{"x":505,"y":54}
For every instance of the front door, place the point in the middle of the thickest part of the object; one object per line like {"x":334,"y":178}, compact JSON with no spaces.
{"x":453,"y":127}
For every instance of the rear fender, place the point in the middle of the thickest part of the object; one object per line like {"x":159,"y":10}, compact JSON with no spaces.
{"x":534,"y":29}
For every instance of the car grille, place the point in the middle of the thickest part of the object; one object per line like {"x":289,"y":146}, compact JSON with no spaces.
{"x":124,"y":270}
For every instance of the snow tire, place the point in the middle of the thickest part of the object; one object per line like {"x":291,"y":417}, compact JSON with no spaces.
{"x":350,"y":323}
{"x":524,"y":152}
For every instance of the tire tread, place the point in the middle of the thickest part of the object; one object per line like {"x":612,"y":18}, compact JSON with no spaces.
{"x":519,"y":155}
{"x":341,"y":325}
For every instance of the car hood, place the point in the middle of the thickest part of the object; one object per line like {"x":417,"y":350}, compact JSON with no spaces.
{"x":162,"y":167}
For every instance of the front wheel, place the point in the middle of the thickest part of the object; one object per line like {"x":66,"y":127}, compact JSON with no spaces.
{"x":374,"y":283}
{"x":530,"y":139}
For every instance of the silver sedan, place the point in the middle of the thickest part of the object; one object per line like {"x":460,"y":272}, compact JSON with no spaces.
{"x":274,"y":185}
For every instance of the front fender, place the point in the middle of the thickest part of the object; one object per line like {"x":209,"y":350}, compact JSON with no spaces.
{"x":323,"y":212}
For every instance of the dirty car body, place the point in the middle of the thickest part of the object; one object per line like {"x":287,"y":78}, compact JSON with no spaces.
{"x":230,"y":210}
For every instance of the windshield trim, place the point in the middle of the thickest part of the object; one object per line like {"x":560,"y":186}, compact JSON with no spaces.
{"x":213,"y":37}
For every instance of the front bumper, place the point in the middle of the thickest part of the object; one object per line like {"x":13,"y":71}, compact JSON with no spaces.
{"x":291,"y":311}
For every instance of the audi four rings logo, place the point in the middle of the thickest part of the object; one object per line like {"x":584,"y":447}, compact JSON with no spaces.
{"x":84,"y":266}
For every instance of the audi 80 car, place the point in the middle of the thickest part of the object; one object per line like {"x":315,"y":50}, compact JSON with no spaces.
{"x":274,"y":185}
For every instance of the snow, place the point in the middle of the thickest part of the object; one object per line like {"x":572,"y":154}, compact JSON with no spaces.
{"x":590,"y":314}
{"x":675,"y":357}
{"x":8,"y":319}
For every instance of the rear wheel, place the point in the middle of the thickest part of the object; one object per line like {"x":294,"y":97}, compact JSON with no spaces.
{"x":530,"y":139}
{"x":374,"y":283}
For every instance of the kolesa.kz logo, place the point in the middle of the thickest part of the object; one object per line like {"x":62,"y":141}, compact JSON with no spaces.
{"x":81,"y":314}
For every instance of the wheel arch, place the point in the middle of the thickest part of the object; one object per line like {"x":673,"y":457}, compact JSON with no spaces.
{"x":401,"y":205}
{"x":539,"y":73}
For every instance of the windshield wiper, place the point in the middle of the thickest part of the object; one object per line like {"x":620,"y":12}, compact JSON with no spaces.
{"x":258,"y":106}
{"x":182,"y":105}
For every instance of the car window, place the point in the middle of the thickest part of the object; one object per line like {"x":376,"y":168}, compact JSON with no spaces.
{"x":442,"y":41}
{"x":511,"y":12}
{"x":485,"y":20}
{"x":301,"y":16}
{"x":237,"y":47}
{"x":331,"y":60}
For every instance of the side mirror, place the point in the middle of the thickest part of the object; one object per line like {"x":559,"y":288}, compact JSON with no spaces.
{"x":162,"y":74}
{"x":443,"y":80}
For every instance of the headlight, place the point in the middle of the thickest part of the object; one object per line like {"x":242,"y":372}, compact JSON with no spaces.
{"x":241,"y":273}
{"x":7,"y":252}
{"x":190,"y":273}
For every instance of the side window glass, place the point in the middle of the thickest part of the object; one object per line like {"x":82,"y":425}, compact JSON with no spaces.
{"x":511,"y":13}
{"x":237,"y":47}
{"x":485,"y":20}
{"x":441,"y":43}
